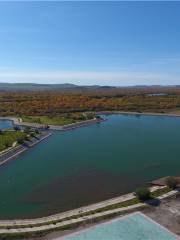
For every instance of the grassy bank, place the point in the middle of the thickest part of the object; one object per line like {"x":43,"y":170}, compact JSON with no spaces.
{"x":60,"y":120}
{"x":7,"y":138}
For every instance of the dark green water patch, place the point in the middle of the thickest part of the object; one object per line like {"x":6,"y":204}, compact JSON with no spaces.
{"x":79,"y":190}
{"x":89,"y":164}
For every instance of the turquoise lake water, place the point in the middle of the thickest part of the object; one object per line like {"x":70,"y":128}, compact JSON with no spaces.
{"x":90,"y":164}
{"x":133,"y":227}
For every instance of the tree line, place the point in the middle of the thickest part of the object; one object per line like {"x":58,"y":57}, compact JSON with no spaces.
{"x":54,"y":103}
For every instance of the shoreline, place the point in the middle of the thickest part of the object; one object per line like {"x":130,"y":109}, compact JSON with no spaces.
{"x":138,"y":113}
{"x":78,"y":211}
{"x":24,"y":228}
{"x":19,"y":122}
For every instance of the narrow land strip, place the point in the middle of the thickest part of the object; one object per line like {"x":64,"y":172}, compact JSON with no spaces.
{"x":18,"y":122}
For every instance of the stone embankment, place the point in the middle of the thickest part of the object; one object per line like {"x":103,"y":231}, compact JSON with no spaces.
{"x":82,"y":124}
{"x":14,"y":152}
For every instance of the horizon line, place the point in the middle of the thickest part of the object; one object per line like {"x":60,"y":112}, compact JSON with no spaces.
{"x":89,"y":85}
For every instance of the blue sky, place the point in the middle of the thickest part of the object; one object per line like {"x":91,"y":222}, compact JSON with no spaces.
{"x":106,"y":43}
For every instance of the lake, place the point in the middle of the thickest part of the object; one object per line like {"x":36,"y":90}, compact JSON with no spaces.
{"x":90,"y":164}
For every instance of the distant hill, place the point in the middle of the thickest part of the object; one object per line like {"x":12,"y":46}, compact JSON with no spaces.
{"x":34,"y":86}
{"x":47,"y":87}
{"x":72,"y":87}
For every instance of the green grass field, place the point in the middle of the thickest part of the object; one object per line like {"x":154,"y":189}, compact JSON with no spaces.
{"x":47,"y":120}
{"x":60,"y":120}
{"x":7,"y":138}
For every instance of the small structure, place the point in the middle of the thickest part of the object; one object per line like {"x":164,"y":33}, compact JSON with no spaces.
{"x":162,"y":181}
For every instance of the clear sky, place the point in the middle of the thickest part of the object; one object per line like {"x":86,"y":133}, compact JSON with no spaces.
{"x":107,"y":43}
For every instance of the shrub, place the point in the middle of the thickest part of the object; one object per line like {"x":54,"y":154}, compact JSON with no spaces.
{"x":143,"y":193}
{"x":36,"y":131}
{"x":27,"y":130}
{"x":16,"y":128}
{"x":7,"y":144}
{"x":27,"y":138}
{"x":32,"y":134}
{"x":20,"y":140}
{"x":171,"y":182}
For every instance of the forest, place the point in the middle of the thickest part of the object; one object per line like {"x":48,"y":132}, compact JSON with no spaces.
{"x":71,"y":102}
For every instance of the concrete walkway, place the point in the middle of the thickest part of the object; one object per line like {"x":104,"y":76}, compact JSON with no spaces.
{"x":74,"y":221}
